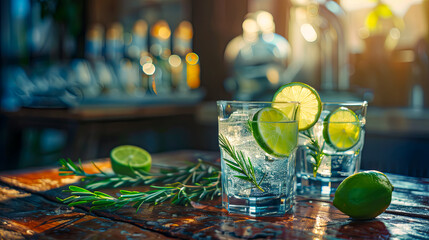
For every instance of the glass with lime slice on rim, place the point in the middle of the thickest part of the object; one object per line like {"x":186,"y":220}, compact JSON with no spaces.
{"x":330,"y":139}
{"x":258,"y":142}
{"x":331,"y":150}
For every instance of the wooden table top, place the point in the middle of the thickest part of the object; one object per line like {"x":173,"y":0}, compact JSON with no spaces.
{"x":29,"y":210}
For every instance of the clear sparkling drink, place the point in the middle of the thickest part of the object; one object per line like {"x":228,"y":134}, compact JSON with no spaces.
{"x":275,"y":174}
{"x":321,"y":163}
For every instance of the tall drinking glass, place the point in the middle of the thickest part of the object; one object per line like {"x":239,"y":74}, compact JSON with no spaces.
{"x":258,"y":142}
{"x":331,"y":150}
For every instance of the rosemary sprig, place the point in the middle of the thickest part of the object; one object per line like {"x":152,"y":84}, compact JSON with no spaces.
{"x":316,"y":150}
{"x":166,"y":175}
{"x":240,"y":164}
{"x":196,"y":182}
{"x":101,"y":179}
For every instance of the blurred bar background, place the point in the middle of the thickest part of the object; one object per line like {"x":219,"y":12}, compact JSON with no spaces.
{"x":81,"y":77}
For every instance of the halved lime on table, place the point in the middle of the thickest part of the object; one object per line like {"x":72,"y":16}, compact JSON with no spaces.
{"x":126,"y":159}
{"x":341,"y":129}
{"x":310,"y":105}
{"x":274,"y":132}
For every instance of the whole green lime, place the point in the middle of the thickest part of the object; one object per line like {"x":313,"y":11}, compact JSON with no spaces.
{"x":364,"y":195}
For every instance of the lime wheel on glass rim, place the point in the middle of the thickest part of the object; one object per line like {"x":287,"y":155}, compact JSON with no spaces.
{"x":126,"y":159}
{"x":341,"y":129}
{"x":274,"y":132}
{"x":310,"y":105}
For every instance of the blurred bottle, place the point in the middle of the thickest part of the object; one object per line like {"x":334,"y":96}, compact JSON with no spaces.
{"x":418,"y":98}
{"x":139,"y":40}
{"x":105,"y":74}
{"x":94,"y":42}
{"x":82,"y":76}
{"x":41,"y":35}
{"x":114,"y":50}
{"x":192,"y":70}
{"x":129,"y":77}
{"x":160,"y":49}
{"x":17,"y":89}
{"x":147,"y":75}
{"x":114,"y":54}
{"x":257,"y":59}
{"x":14,"y":24}
{"x":126,"y":71}
{"x":182,"y":45}
{"x":317,"y":36}
{"x":136,"y":50}
{"x":178,"y":72}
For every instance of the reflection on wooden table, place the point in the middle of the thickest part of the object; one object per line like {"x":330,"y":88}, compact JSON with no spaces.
{"x":29,"y":209}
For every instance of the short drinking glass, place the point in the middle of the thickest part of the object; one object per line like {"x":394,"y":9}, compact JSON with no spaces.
{"x":331,"y":150}
{"x":258,"y":142}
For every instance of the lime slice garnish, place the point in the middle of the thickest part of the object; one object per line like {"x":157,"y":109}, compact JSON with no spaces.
{"x":341,"y":129}
{"x":310,"y":105}
{"x":274,"y":132}
{"x":125,"y":159}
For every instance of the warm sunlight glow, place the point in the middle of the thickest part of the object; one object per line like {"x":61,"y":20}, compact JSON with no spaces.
{"x":174,"y":60}
{"x":406,"y":56}
{"x":192,"y":70}
{"x":363,"y":33}
{"x":273,"y":76}
{"x":95,"y":32}
{"x":192,"y":58}
{"x":308,"y":32}
{"x":268,"y":37}
{"x":395,"y":33}
{"x":115,"y":31}
{"x":148,"y":68}
{"x":161,"y":30}
{"x":250,"y":26}
{"x":233,"y":48}
{"x":184,"y":31}
{"x":145,"y":59}
{"x":265,"y":21}
{"x":140,"y":28}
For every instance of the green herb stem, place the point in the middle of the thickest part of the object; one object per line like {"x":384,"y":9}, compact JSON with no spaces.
{"x":195,"y":182}
{"x":316,"y":151}
{"x":240,"y":163}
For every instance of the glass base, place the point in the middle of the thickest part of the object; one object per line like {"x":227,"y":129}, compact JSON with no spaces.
{"x":318,"y":187}
{"x":259,"y":206}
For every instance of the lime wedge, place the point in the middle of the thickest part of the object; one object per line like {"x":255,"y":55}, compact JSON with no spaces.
{"x":310,"y":105}
{"x":341,"y":129}
{"x":125,"y":159}
{"x":274,"y":132}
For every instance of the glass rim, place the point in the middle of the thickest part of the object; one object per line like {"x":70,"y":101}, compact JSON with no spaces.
{"x":347,"y":103}
{"x":253,"y":102}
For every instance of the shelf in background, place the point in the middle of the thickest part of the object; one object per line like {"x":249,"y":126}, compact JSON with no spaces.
{"x":398,"y":122}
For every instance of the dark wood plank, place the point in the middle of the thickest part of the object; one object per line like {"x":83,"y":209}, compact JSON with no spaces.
{"x":407,"y":216}
{"x":410,"y":196}
{"x":43,"y":179}
{"x":28,"y":216}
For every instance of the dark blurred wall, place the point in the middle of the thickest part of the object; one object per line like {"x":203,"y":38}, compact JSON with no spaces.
{"x":216,"y":22}
{"x":104,"y":12}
